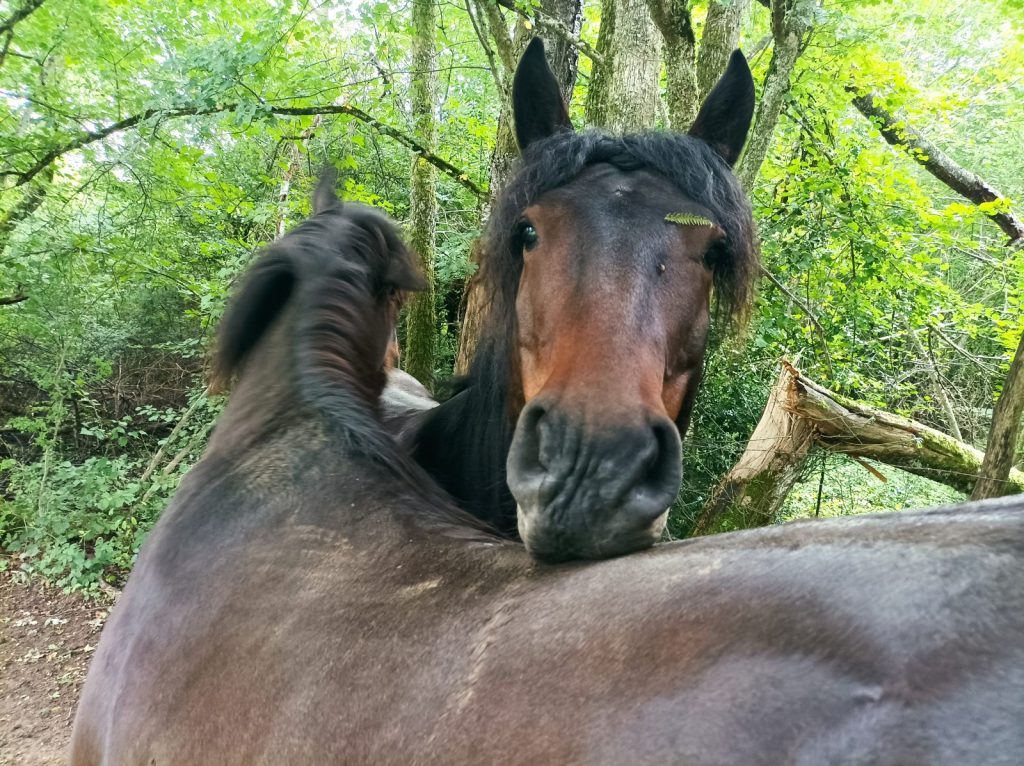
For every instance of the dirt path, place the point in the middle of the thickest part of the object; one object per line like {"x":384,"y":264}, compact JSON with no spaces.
{"x":46,"y":641}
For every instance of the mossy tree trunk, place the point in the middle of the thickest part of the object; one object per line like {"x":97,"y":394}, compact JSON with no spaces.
{"x":720,"y":37}
{"x":995,"y":477}
{"x":564,"y":61}
{"x":791,"y":20}
{"x":623,"y":95}
{"x":673,"y":21}
{"x":421,"y":332}
{"x":802,"y":413}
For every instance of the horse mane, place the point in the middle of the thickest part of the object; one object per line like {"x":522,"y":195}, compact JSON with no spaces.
{"x":477,"y":420}
{"x":338,"y":267}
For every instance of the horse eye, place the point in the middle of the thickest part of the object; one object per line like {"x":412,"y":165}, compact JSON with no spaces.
{"x":712,"y":257}
{"x":528,"y":236}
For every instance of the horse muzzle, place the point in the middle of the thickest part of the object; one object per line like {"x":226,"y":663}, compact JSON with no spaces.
{"x":591,"y":492}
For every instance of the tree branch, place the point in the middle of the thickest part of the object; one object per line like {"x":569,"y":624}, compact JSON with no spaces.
{"x":89,"y":137}
{"x":556,"y":28}
{"x":897,"y":132}
{"x":21,"y":14}
{"x":10,"y":300}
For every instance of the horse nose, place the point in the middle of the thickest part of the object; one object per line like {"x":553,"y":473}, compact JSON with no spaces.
{"x":591,"y":492}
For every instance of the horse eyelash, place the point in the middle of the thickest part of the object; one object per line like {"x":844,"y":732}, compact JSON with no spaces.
{"x":687,"y":219}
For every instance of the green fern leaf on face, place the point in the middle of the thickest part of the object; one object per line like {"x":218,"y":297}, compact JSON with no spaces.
{"x":688,"y":219}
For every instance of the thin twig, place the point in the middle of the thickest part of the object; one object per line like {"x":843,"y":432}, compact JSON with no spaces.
{"x":89,"y":137}
{"x":810,"y":315}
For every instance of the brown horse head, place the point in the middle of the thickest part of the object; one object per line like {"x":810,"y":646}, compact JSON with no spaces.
{"x":620,"y":241}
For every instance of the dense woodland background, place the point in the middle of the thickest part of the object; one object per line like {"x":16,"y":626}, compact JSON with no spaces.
{"x":147,"y":148}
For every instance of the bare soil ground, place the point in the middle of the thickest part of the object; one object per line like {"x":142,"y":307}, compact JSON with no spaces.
{"x":46,"y":641}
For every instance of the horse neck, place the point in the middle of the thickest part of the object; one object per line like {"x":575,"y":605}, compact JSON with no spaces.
{"x":464,"y":443}
{"x":265,"y":400}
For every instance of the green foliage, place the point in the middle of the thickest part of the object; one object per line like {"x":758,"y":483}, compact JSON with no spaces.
{"x":128,"y":246}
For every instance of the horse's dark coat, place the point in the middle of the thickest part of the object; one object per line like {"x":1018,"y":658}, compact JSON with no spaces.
{"x":305,"y":601}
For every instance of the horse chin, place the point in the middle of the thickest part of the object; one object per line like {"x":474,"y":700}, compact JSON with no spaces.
{"x":552,"y":544}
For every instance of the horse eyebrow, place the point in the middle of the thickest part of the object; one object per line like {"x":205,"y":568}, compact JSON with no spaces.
{"x":689,"y":219}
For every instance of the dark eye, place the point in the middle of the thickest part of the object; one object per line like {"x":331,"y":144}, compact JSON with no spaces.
{"x":528,"y":236}
{"x":714,"y":256}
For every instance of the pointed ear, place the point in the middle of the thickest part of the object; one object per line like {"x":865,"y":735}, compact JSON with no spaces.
{"x":402,"y":274}
{"x":251,"y":310}
{"x":325,"y":197}
{"x":724,"y":118}
{"x":536,"y":100}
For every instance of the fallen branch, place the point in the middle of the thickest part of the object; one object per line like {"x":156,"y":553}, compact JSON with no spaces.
{"x":92,"y":136}
{"x":852,"y":428}
{"x":752,"y":492}
{"x":12,"y":299}
{"x":897,"y":132}
{"x":800,"y":414}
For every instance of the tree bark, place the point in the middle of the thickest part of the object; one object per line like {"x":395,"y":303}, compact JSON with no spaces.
{"x":563,"y":57}
{"x":790,"y":22}
{"x":672,"y":18}
{"x":721,"y":36}
{"x":753,"y":491}
{"x":856,"y":429}
{"x":623,"y":95}
{"x":421,"y":317}
{"x":800,"y":414}
{"x":897,"y":132}
{"x":995,"y":475}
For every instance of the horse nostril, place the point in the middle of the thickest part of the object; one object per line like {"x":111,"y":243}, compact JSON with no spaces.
{"x":530,"y":438}
{"x":662,"y":472}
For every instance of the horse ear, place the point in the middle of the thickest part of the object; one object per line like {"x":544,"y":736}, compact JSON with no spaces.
{"x":536,"y":100}
{"x":250,"y":312}
{"x":724,"y":118}
{"x":325,"y":197}
{"x":402,"y":274}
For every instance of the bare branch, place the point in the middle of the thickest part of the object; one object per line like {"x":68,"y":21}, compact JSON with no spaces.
{"x":21,"y":14}
{"x":10,"y":300}
{"x":556,"y":28}
{"x":897,"y":132}
{"x":92,"y":136}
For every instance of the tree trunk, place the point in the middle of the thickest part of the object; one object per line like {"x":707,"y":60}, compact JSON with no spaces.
{"x":672,"y":18}
{"x":790,"y":21}
{"x":800,"y":414}
{"x":751,"y":494}
{"x":1002,"y":437}
{"x":421,"y":319}
{"x":721,"y":36}
{"x":897,"y":132}
{"x":623,"y":95}
{"x":564,"y":61}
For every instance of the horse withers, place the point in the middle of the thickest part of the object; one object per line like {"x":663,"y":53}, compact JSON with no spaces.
{"x":598,"y":269}
{"x":309,"y":598}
